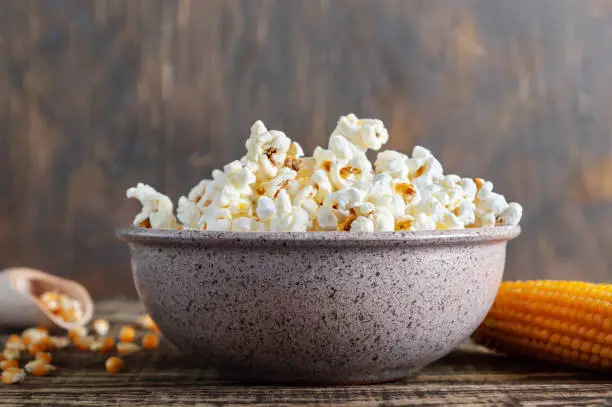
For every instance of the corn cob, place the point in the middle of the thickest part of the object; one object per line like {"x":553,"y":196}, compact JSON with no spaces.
{"x":567,"y":322}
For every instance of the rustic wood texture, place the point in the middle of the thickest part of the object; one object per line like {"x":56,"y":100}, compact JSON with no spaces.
{"x":468,"y":376}
{"x":98,"y":95}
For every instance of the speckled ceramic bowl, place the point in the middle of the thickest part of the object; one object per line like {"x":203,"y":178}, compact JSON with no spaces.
{"x":318,"y":308}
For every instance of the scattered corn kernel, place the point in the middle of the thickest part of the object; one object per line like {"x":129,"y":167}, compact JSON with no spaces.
{"x":44,"y":356}
{"x":150,"y":341}
{"x":101,"y":326}
{"x":77,"y":332}
{"x":560,"y":321}
{"x":15,"y":345}
{"x":39,"y":368}
{"x":127,"y":347}
{"x":34,"y":335}
{"x":114,"y":364}
{"x":6,"y":364}
{"x":127,"y":334}
{"x":102,"y":345}
{"x":83,"y":343}
{"x":60,"y":342}
{"x":12,"y":375}
{"x":36,"y":347}
{"x":147,"y":323}
{"x":62,"y":306}
{"x":11,"y":354}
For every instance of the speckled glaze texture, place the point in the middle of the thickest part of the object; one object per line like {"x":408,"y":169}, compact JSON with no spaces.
{"x":318,"y":308}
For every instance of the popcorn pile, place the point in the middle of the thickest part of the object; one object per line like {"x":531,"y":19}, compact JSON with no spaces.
{"x":275,"y":188}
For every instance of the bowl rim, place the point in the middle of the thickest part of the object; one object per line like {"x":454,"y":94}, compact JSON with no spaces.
{"x":145,"y":236}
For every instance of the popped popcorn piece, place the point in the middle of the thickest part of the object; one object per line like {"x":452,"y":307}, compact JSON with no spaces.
{"x":511,"y":216}
{"x":363,"y":133}
{"x":156,"y":210}
{"x":13,"y":375}
{"x":392,"y":163}
{"x":345,"y":173}
{"x":425,"y":168}
{"x":267,"y":150}
{"x":188,"y":213}
{"x":362,"y":224}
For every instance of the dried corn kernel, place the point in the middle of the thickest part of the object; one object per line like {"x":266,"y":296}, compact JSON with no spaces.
{"x":62,"y":306}
{"x":34,"y":335}
{"x":39,"y":368}
{"x":127,"y":347}
{"x":561,"y":321}
{"x":77,"y":332}
{"x":5,"y":364}
{"x":150,"y":341}
{"x":127,"y":334}
{"x":147,"y":323}
{"x":59,"y":342}
{"x":83,"y":343}
{"x":102,"y":345}
{"x":12,"y":375}
{"x":41,"y":346}
{"x":15,"y":345}
{"x":44,"y":356}
{"x":11,"y":354}
{"x":101,"y":326}
{"x":113,"y":364}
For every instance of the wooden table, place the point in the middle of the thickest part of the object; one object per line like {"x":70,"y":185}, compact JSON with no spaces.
{"x":468,"y":376}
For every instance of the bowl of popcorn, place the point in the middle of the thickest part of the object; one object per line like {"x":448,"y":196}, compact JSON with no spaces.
{"x":328,"y":269}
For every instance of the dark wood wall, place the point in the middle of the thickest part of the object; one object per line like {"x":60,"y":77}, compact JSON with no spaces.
{"x":98,"y":95}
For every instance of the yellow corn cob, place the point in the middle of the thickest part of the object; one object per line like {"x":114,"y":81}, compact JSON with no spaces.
{"x":568,"y":322}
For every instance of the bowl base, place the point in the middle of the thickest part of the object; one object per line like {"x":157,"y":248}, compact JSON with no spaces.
{"x":320,"y":380}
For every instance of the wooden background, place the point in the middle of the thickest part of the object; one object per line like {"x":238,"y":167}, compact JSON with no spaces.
{"x":98,"y":95}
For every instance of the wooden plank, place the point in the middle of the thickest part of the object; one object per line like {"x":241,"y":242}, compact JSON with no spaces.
{"x":468,"y":376}
{"x":96,"y":96}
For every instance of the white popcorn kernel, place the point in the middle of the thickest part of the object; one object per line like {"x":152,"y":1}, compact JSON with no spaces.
{"x":156,"y":208}
{"x":424,"y":221}
{"x":347,"y":173}
{"x":188,"y":213}
{"x":323,"y":158}
{"x":295,"y":150}
{"x":404,"y":222}
{"x":364,"y":209}
{"x":511,"y":216}
{"x":392,"y":163}
{"x":362,"y":224}
{"x":344,"y":199}
{"x":407,"y":191}
{"x":424,"y":167}
{"x":342,"y":148}
{"x":267,"y":150}
{"x":280,"y":182}
{"x":244,"y":225}
{"x":322,"y":184}
{"x":466,"y":213}
{"x":291,"y":219}
{"x":198,"y":191}
{"x":487,"y":201}
{"x":469,"y":188}
{"x":283,"y":204}
{"x":266,"y":208}
{"x":221,"y":225}
{"x":383,"y":220}
{"x":305,"y":198}
{"x":363,"y":133}
{"x":215,"y":218}
{"x":327,"y":218}
{"x":486,"y":219}
{"x":450,"y":221}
